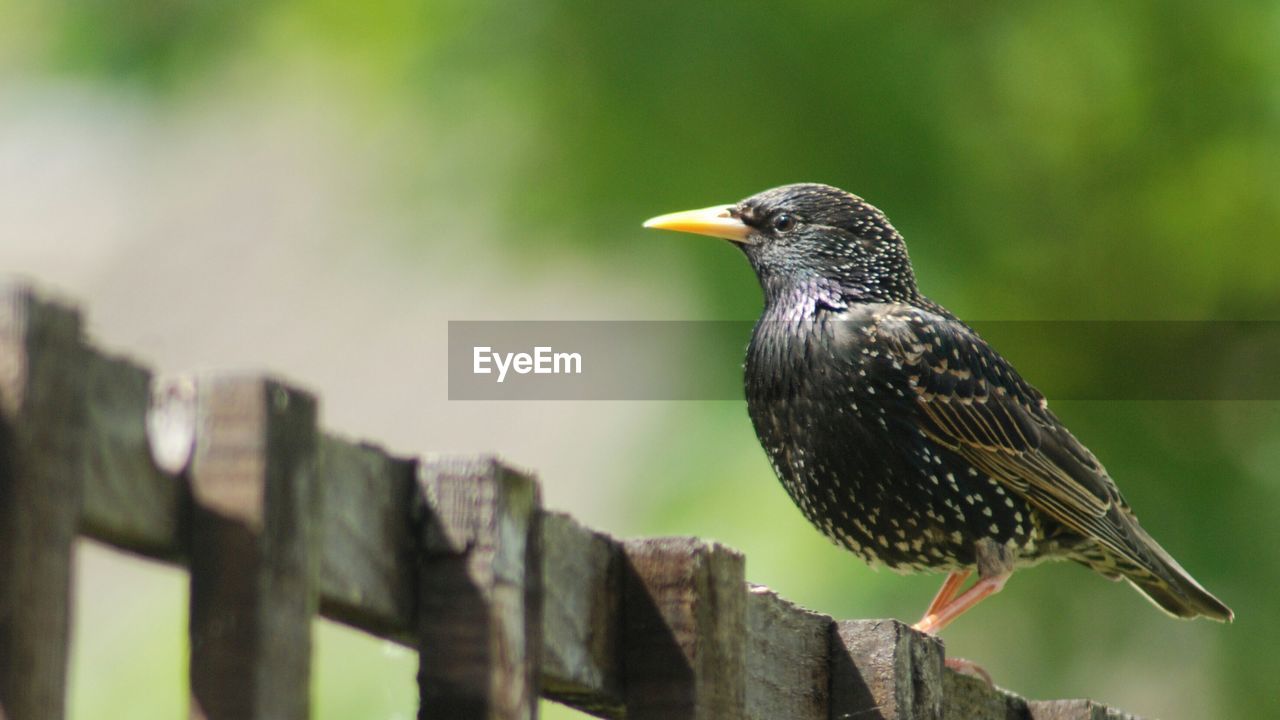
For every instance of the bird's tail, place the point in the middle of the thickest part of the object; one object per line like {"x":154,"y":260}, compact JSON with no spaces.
{"x":1170,"y":587}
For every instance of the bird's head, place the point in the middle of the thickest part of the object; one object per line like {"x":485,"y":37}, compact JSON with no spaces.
{"x":808,"y":235}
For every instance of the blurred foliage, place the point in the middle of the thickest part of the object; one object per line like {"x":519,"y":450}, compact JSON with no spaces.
{"x":1076,"y":160}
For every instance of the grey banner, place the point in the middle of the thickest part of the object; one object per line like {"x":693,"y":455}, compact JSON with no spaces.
{"x":702,"y":360}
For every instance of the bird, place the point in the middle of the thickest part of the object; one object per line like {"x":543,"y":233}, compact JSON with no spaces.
{"x":899,"y":432}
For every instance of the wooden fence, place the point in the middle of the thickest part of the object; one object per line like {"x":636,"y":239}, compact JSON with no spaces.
{"x":504,"y":602}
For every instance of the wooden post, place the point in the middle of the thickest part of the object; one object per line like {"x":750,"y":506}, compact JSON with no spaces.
{"x":684,"y":647}
{"x":41,"y":423}
{"x":252,"y":551}
{"x":970,"y":698}
{"x":129,"y":502}
{"x":1073,"y":710}
{"x":366,"y":565}
{"x":581,"y":617}
{"x":788,"y":651}
{"x":479,"y":592}
{"x":883,"y":669}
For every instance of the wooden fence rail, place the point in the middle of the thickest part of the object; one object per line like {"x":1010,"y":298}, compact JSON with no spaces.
{"x":231,"y":477}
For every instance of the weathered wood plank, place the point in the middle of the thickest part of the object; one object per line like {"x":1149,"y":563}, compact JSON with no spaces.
{"x":684,"y":648}
{"x":971,"y":698}
{"x":252,"y":558}
{"x":788,"y":673}
{"x":1073,"y":710}
{"x":128,"y":501}
{"x":479,"y":591}
{"x":884,"y":670}
{"x":41,"y":426}
{"x":581,"y":616}
{"x":366,"y":556}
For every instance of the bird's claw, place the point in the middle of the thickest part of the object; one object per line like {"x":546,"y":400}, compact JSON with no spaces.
{"x":970,"y":668}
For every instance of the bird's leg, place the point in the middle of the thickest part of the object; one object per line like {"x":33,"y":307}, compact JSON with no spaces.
{"x":941,"y":614}
{"x":933,"y":622}
{"x":948,"y":591}
{"x":995,"y":565}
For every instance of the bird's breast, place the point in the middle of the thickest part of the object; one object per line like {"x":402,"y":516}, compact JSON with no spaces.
{"x":837,"y":420}
{"x":822,"y":425}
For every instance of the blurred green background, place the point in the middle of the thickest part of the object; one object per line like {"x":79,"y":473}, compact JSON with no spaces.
{"x":318,"y":187}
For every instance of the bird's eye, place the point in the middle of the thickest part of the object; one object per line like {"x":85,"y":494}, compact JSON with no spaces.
{"x":784,"y":222}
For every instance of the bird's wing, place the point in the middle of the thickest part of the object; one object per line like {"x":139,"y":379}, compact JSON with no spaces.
{"x":972,"y":401}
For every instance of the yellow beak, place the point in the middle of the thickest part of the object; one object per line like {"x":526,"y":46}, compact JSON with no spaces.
{"x":715,"y":221}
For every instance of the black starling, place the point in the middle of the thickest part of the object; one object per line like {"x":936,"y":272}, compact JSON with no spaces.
{"x":899,"y":432}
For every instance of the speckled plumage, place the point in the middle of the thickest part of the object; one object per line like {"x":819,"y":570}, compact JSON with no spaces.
{"x":899,"y":432}
{"x":834,"y":404}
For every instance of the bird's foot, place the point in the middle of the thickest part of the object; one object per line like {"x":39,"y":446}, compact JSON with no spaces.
{"x":970,"y":668}
{"x":927,"y":625}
